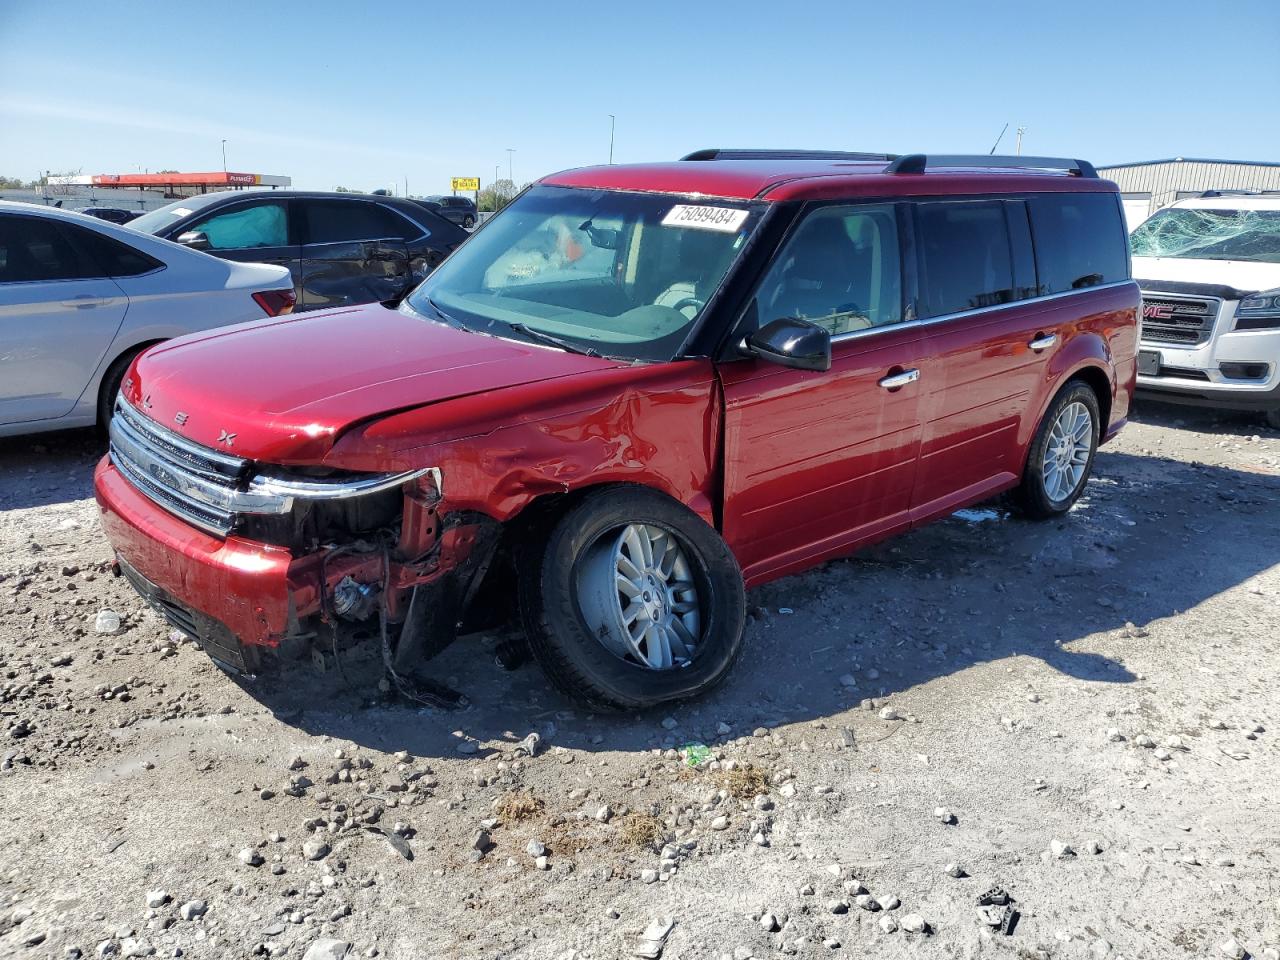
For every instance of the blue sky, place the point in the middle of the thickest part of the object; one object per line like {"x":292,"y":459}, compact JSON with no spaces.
{"x":365,"y":95}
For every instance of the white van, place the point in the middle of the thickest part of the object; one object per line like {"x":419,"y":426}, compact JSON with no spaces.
{"x":1209,"y":269}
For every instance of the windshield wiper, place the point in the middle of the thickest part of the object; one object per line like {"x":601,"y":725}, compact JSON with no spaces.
{"x":444,"y":316}
{"x":551,"y":339}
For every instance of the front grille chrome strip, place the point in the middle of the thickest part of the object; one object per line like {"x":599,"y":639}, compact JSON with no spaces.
{"x":211,"y":489}
{"x":202,"y":486}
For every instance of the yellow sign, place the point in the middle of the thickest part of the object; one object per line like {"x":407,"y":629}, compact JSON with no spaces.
{"x":466,"y":184}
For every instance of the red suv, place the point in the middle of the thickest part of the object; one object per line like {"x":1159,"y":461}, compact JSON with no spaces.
{"x":633,"y":393}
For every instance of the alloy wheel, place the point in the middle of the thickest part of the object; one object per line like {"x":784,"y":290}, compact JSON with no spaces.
{"x":1067,"y":450}
{"x":637,"y":592}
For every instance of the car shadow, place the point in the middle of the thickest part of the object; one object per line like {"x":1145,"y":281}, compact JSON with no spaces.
{"x":48,"y":468}
{"x":1151,"y":538}
{"x":1227,"y":423}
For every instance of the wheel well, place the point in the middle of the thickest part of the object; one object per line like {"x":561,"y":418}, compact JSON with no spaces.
{"x":130,"y":353}
{"x":530,"y":526}
{"x":1097,"y":381}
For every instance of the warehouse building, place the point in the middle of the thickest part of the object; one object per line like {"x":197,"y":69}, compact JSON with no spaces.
{"x":1148,"y":185}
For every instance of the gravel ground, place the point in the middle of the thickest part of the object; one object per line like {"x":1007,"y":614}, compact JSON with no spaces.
{"x":1082,"y":713}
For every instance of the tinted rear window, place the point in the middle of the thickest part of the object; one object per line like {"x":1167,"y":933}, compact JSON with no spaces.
{"x":335,"y":221}
{"x":1080,"y":240}
{"x":113,"y":258}
{"x":965,"y":256}
{"x":34,"y":249}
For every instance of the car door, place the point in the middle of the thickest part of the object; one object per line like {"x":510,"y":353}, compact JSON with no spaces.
{"x":986,"y":348}
{"x":817,"y":463}
{"x":58,"y":315}
{"x":353,"y":252}
{"x":254,"y":230}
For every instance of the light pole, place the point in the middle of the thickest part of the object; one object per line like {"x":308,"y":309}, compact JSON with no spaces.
{"x":1021,"y":131}
{"x":612,"y":122}
{"x":510,"y":174}
{"x":224,"y":156}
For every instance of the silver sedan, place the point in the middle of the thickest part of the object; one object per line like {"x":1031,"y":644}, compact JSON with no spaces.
{"x":80,"y":298}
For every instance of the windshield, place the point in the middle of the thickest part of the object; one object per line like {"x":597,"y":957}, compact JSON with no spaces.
{"x":618,"y":274}
{"x":1210,"y":235}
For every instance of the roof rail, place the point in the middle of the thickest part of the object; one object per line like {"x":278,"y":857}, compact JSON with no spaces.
{"x":917,"y":162}
{"x":719,"y":153}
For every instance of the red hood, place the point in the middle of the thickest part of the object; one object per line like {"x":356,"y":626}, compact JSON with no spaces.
{"x":286,"y":390}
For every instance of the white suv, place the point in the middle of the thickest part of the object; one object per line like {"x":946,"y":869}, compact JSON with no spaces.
{"x":1209,"y":269}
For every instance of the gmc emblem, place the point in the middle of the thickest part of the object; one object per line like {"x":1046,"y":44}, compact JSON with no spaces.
{"x":1157,"y":311}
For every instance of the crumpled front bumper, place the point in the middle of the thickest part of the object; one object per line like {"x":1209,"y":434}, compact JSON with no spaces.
{"x":254,"y":592}
{"x":238,"y":596}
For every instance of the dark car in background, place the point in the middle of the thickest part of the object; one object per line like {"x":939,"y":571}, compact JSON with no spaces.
{"x":341,"y":248}
{"x":459,"y":210}
{"x":111,"y":214}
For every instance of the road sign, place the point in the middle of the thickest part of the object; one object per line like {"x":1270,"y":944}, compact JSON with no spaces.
{"x":466,"y":184}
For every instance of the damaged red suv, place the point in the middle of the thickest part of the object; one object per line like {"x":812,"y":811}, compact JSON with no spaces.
{"x":632,"y":394}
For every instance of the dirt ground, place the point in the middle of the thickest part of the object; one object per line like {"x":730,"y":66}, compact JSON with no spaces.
{"x":1106,"y":683}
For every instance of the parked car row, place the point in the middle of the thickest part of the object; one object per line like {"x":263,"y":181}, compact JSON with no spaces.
{"x":636,"y":392}
{"x":111,"y":214}
{"x":81,"y":297}
{"x":341,"y":248}
{"x":459,"y":210}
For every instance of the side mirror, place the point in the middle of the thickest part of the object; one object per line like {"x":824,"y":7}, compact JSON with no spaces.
{"x":196,"y":239}
{"x":792,"y":342}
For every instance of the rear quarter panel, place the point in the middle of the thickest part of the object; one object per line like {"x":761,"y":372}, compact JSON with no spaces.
{"x":1098,"y":336}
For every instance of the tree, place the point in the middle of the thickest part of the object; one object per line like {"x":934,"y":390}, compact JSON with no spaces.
{"x":11,"y":183}
{"x":497,"y":195}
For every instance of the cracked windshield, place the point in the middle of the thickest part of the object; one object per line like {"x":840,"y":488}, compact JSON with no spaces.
{"x":1210,"y":235}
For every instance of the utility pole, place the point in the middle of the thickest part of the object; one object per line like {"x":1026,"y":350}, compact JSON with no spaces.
{"x":612,"y":122}
{"x":224,"y":156}
{"x":510,"y":174}
{"x":1021,"y":131}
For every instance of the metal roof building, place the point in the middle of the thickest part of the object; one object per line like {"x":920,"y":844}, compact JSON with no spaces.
{"x":1151,"y":184}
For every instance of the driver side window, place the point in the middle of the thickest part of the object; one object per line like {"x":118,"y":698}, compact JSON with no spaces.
{"x":258,"y":225}
{"x":840,"y":268}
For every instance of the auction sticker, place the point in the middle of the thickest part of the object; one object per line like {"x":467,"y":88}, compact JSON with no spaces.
{"x":723,"y":219}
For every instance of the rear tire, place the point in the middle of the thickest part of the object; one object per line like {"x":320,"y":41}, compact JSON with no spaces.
{"x":572,"y":605}
{"x":1061,"y":455}
{"x":1273,"y":418}
{"x":110,"y":386}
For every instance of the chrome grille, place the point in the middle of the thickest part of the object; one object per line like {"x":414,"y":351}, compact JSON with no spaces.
{"x":188,"y":480}
{"x":1180,"y":320}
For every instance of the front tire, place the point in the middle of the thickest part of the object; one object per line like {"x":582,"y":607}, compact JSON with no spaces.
{"x":633,"y":601}
{"x":1061,"y":455}
{"x":1273,"y":418}
{"x":110,"y":387}
{"x":468,"y":222}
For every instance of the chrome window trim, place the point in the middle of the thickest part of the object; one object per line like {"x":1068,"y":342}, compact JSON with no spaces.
{"x":942,"y":318}
{"x":339,"y":243}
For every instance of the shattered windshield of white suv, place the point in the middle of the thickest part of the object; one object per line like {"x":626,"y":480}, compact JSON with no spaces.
{"x":1210,"y":235}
